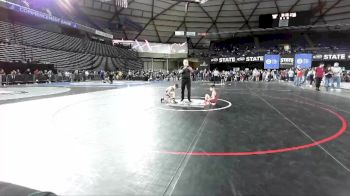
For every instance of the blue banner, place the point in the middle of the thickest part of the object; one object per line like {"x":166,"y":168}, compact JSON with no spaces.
{"x":303,"y":61}
{"x":272,"y":61}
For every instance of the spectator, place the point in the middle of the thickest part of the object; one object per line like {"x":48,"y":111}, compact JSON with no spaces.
{"x":111,"y":77}
{"x":304,"y":77}
{"x":256,"y":75}
{"x":28,"y":72}
{"x":336,"y":75}
{"x":347,"y":77}
{"x":2,"y":75}
{"x":310,"y":76}
{"x":299,"y":77}
{"x":227,"y":74}
{"x":222,"y":78}
{"x":269,"y":76}
{"x":129,"y":75}
{"x":85,"y":75}
{"x":328,"y":77}
{"x":102,"y":75}
{"x":260,"y":75}
{"x":49,"y":76}
{"x":216,"y":74}
{"x":319,"y":73}
{"x":291,"y":75}
{"x":13,"y":75}
{"x":36,"y":73}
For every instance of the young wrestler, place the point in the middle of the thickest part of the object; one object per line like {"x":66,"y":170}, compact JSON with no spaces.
{"x":213,"y":98}
{"x":170,"y":94}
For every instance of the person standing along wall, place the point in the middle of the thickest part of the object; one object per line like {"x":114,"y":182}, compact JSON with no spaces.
{"x":299,"y":77}
{"x":216,"y":74}
{"x":291,"y":75}
{"x":336,"y":75}
{"x":328,"y":77}
{"x":319,"y":73}
{"x":2,"y":74}
{"x":310,"y":76}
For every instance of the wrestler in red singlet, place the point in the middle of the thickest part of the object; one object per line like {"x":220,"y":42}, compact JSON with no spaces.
{"x":213,"y":98}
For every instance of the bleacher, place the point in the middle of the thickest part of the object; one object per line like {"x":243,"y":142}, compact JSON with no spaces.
{"x":273,"y":43}
{"x":64,"y":60}
{"x":65,"y":52}
{"x":39,"y":38}
{"x":5,"y":33}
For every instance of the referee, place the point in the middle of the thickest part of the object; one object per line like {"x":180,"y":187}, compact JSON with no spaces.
{"x":186,"y":80}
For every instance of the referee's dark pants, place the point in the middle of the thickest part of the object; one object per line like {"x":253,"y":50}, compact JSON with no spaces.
{"x":186,"y":82}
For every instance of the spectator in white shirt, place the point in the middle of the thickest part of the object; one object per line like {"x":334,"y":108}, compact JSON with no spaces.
{"x":216,"y":74}
{"x":336,"y":75}
{"x":291,"y":75}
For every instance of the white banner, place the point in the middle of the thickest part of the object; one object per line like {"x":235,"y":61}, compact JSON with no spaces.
{"x":103,"y":34}
{"x":159,"y":48}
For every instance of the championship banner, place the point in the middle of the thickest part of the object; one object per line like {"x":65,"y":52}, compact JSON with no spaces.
{"x":158,"y":48}
{"x":334,"y":57}
{"x":214,"y":60}
{"x":272,"y":61}
{"x":241,"y":59}
{"x":331,"y":57}
{"x":254,"y":59}
{"x":287,"y":61}
{"x":237,"y":59}
{"x":303,"y":61}
{"x":223,"y":60}
{"x":317,"y":57}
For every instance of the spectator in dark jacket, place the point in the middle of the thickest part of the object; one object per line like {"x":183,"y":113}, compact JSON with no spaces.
{"x":2,"y":75}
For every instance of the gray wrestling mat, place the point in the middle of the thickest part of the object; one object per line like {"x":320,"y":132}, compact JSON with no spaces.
{"x":20,"y":92}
